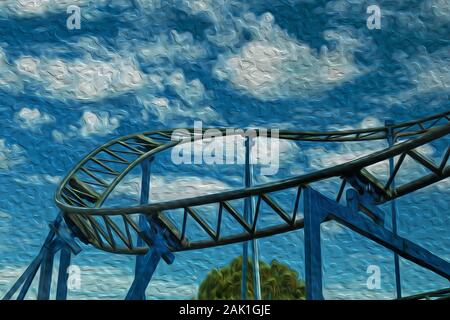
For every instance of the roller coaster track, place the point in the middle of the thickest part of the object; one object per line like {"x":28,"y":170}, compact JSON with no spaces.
{"x":85,"y":189}
{"x":153,"y":230}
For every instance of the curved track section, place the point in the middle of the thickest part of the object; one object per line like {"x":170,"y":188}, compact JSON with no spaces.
{"x":83,"y":192}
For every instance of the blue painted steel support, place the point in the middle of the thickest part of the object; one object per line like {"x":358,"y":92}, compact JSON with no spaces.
{"x":313,"y":217}
{"x":136,"y":291}
{"x":45,"y":278}
{"x":352,"y":218}
{"x":58,"y":238}
{"x":28,"y":275}
{"x":152,"y":233}
{"x":248,"y":216}
{"x":143,"y":277}
{"x":244,"y":270}
{"x":375,"y":232}
{"x":391,"y":141}
{"x":158,"y":250}
{"x":318,"y":208}
{"x":245,"y":243}
{"x":145,"y":197}
{"x":64,"y":263}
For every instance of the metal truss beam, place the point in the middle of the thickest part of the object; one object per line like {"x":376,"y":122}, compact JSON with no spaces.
{"x":153,"y":235}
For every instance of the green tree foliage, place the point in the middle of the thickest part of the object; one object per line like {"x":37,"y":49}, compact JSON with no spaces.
{"x":278,"y":282}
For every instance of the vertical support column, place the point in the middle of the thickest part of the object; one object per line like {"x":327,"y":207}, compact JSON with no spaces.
{"x":145,"y":192}
{"x":145,"y":264}
{"x":248,"y":216}
{"x":58,"y":238}
{"x":244,"y":270}
{"x":28,"y":275}
{"x":391,"y":141}
{"x":45,"y":277}
{"x":246,"y":213}
{"x":144,"y":275}
{"x":64,"y":263}
{"x":145,"y":197}
{"x":150,"y":260}
{"x":313,"y":256}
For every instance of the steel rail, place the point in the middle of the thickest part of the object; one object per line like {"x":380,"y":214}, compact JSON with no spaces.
{"x":336,"y":171}
{"x":81,"y":201}
{"x":332,"y":136}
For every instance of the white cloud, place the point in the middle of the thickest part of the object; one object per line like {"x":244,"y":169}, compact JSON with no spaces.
{"x":25,"y":7}
{"x":61,"y":137}
{"x":38,"y":179}
{"x":274,"y":65}
{"x":444,"y":185}
{"x":114,"y":73}
{"x":32,"y":118}
{"x":174,"y":112}
{"x":347,"y":152}
{"x":428,"y":72}
{"x":27,"y":65}
{"x":440,"y":9}
{"x":353,"y":290}
{"x":97,"y":282}
{"x":106,"y":282}
{"x":160,"y":102}
{"x":173,"y":47}
{"x":90,"y":9}
{"x":5,"y":215}
{"x":191,"y":92}
{"x":10,"y":155}
{"x":226,"y":30}
{"x":83,"y":79}
{"x":98,"y":124}
{"x":91,"y":123}
{"x":5,"y":225}
{"x":321,"y":157}
{"x":169,"y":289}
{"x":30,"y":8}
{"x":8,"y":276}
{"x":166,"y":189}
{"x":8,"y":78}
{"x":86,"y":78}
{"x":197,"y":6}
{"x":431,"y":72}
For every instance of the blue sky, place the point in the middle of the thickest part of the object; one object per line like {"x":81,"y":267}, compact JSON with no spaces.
{"x":148,"y":64}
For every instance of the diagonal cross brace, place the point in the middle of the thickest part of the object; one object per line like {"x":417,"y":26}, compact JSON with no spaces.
{"x":404,"y":247}
{"x":319,"y":208}
{"x":59,"y":238}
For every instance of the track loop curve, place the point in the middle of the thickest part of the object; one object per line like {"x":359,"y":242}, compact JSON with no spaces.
{"x":82,"y":193}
